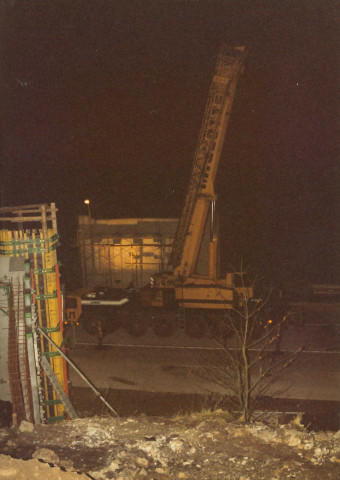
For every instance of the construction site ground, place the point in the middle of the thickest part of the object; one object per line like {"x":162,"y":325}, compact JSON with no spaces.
{"x":201,"y":446}
{"x":160,"y":376}
{"x":164,"y":430}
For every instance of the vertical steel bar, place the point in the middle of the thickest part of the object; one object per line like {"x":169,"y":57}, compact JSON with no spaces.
{"x":30,"y":345}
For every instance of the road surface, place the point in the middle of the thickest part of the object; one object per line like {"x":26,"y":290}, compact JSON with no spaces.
{"x":179,"y":364}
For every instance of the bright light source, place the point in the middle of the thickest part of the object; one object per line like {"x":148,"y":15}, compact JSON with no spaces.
{"x":87,"y":201}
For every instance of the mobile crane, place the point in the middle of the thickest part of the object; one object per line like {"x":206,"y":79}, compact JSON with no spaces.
{"x":198,"y":294}
{"x":195,"y":298}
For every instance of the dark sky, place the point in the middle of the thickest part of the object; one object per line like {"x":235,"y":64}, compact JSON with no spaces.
{"x":104,"y":99}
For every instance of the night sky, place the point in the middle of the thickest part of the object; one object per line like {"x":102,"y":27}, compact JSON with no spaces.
{"x":104,"y":100}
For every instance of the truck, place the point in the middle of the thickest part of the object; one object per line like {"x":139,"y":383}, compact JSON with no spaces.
{"x":181,"y":297}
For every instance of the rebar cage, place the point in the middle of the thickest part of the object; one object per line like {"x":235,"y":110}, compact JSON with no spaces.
{"x":33,"y":300}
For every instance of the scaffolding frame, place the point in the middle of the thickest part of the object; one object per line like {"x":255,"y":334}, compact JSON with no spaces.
{"x":30,"y":232}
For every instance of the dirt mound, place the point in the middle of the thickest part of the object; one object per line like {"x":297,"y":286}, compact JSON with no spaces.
{"x":204,"y":446}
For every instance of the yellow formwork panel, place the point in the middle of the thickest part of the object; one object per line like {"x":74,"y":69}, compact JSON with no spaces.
{"x":52,"y":311}
{"x":6,"y":241}
{"x":42,"y":253}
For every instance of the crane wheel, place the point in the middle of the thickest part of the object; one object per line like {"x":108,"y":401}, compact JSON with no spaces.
{"x":196,"y":327}
{"x":90,"y":328}
{"x":137,"y":327}
{"x":223,"y":332}
{"x":89,"y":325}
{"x":163,"y":327}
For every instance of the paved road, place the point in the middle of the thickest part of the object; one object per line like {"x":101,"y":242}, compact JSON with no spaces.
{"x":184,"y":371}
{"x":179,"y":364}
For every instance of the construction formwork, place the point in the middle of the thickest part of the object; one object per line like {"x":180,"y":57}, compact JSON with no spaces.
{"x":30,"y":233}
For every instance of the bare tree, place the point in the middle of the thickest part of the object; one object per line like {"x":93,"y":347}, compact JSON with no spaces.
{"x":251,"y":361}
